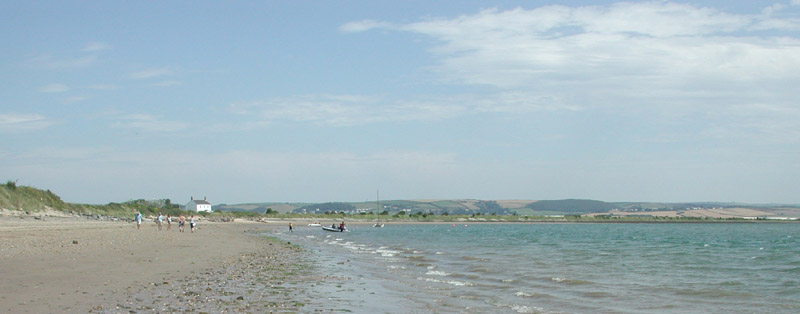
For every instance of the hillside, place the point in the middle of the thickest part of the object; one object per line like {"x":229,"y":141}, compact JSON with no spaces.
{"x":36,"y":201}
{"x":518,"y":207}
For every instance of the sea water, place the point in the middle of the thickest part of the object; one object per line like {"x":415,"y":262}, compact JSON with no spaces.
{"x":561,"y":268}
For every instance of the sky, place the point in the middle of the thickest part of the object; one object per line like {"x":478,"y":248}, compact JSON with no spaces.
{"x":316,"y":101}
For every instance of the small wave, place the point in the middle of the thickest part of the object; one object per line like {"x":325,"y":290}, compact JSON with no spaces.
{"x":570,"y":281}
{"x":598,"y":294}
{"x":480,"y":270}
{"x":387,"y":253}
{"x":437,"y":273}
{"x":524,"y":294}
{"x":417,"y":258}
{"x":526,"y":309}
{"x":449,"y":282}
{"x":713,"y":293}
{"x":473,"y":258}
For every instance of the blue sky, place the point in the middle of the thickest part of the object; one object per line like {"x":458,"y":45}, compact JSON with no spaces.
{"x":105,"y":101}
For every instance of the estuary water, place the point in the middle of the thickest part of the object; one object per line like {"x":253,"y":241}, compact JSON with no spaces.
{"x":562,"y":268}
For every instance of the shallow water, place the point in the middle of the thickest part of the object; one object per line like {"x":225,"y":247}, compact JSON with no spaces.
{"x":563,"y":268}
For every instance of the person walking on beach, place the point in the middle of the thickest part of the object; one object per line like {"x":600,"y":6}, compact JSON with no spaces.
{"x":192,"y":224}
{"x":169,"y":222}
{"x":138,"y":218}
{"x":181,"y":222}
{"x":159,"y":221}
{"x":290,"y":227}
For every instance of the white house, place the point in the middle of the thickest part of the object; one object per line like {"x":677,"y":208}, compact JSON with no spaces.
{"x":198,"y":205}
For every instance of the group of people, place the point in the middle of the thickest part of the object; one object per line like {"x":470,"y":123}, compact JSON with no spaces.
{"x":341,"y":226}
{"x":160,"y":219}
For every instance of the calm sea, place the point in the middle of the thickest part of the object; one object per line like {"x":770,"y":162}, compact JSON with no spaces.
{"x":560,"y":268}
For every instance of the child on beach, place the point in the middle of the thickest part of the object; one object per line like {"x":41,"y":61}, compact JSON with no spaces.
{"x":181,"y":222}
{"x":159,"y":220}
{"x":169,"y":222}
{"x":192,"y":224}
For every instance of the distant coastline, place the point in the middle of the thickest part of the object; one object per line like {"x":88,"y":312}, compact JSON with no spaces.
{"x":28,"y":201}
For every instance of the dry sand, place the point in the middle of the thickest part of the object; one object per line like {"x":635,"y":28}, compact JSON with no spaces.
{"x":78,"y":265}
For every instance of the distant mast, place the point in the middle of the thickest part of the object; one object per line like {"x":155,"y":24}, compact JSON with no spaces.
{"x":378,"y":210}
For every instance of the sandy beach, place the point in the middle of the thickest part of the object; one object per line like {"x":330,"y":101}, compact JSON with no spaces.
{"x":77,"y":265}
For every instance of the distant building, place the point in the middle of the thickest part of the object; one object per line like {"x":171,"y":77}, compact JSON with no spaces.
{"x":198,"y":205}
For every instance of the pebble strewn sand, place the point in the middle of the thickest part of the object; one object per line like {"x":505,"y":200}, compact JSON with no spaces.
{"x":79,"y":265}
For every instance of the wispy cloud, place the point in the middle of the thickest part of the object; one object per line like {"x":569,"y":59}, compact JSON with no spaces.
{"x":168,"y":83}
{"x":349,"y":110}
{"x":365,"y":25}
{"x":54,"y":88}
{"x":23,"y":122}
{"x":642,"y":59}
{"x":62,"y":63}
{"x":151,"y":73}
{"x":77,"y":98}
{"x":96,"y":46}
{"x":644,"y":45}
{"x":103,"y":87}
{"x":149,"y":123}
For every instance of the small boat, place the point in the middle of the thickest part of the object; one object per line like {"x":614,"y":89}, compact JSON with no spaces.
{"x":332,"y":229}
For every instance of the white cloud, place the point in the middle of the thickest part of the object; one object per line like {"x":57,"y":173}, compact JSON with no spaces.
{"x":54,"y":88}
{"x":151,"y":73}
{"x":96,"y":46}
{"x":637,"y":46}
{"x":149,"y":123}
{"x":23,"y":122}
